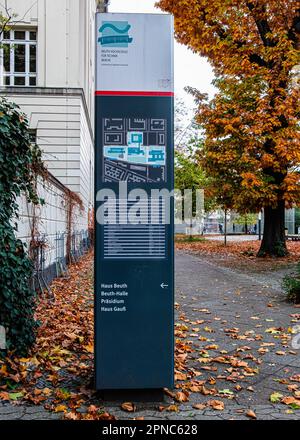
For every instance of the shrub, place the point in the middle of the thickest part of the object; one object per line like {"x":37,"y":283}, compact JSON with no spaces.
{"x":20,"y":162}
{"x":291,"y":285}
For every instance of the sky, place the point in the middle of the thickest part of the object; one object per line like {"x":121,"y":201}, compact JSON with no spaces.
{"x":190,"y":69}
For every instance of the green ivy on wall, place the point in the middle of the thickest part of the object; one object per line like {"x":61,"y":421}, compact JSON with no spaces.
{"x":20,"y":163}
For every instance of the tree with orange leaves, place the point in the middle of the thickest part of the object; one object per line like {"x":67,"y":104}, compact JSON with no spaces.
{"x":252,"y":133}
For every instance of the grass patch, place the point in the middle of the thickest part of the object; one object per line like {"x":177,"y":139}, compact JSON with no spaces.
{"x":189,"y":239}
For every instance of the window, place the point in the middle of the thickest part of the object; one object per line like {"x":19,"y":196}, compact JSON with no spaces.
{"x":18,"y":65}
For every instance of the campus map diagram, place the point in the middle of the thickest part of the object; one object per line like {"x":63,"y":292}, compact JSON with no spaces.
{"x":134,"y":150}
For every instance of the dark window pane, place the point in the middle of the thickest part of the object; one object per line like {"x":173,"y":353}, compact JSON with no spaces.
{"x":32,"y":36}
{"x":7,"y":81}
{"x":20,"y":58}
{"x":6,"y":35}
{"x":19,"y":81}
{"x":33,"y":59}
{"x":20,"y":35}
{"x":6,"y":56}
{"x":32,"y":81}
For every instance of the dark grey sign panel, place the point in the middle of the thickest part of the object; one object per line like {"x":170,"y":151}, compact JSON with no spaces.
{"x":134,"y":263}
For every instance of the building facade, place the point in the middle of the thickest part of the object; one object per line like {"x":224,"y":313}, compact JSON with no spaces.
{"x":47,"y":67}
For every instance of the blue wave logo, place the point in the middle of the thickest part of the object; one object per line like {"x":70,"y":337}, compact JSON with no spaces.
{"x":115,"y":34}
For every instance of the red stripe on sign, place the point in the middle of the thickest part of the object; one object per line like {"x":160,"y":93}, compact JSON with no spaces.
{"x":123,"y":93}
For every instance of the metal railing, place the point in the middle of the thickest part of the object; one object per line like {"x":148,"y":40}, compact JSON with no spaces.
{"x":80,"y":243}
{"x":38,"y":255}
{"x":60,"y":257}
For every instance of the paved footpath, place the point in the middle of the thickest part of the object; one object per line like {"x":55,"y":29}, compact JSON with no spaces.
{"x":232,"y":238}
{"x":234,"y":311}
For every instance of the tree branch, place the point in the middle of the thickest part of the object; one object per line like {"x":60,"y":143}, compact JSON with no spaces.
{"x":257,"y":59}
{"x":223,"y":35}
{"x":9,"y":17}
{"x":261,"y":24}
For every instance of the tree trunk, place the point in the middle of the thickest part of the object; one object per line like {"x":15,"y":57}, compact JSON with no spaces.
{"x":274,"y":242}
{"x":225,"y":228}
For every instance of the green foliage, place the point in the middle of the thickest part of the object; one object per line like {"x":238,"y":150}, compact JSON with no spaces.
{"x":291,"y":285}
{"x":190,"y":239}
{"x":7,"y":20}
{"x":249,"y":219}
{"x":16,"y":298}
{"x":19,"y":164}
{"x":190,"y":175}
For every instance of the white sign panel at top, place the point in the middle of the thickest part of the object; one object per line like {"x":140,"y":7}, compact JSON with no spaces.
{"x":135,"y":53}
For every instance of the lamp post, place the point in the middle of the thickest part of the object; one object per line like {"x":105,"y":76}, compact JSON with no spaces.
{"x":259,"y":225}
{"x":225,"y":227}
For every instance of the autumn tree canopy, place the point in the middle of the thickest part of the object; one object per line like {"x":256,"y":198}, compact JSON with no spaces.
{"x":252,"y":125}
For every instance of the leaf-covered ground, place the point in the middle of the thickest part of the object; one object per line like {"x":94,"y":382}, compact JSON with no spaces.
{"x":59,"y":373}
{"x":234,"y":357}
{"x":240,"y":254}
{"x":234,"y":351}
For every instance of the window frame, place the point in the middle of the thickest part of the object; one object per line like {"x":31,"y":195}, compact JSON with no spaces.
{"x":12,"y":42}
